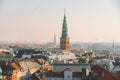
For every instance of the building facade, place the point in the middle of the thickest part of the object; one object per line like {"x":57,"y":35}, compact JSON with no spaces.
{"x":63,"y":71}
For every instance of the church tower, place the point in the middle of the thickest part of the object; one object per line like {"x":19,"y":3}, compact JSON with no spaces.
{"x":64,"y":39}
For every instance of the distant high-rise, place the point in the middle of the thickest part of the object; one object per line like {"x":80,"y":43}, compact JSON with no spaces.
{"x":112,"y":47}
{"x":54,"y":39}
{"x":64,"y":40}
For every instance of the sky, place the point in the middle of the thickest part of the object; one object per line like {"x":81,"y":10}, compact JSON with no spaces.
{"x":39,"y":20}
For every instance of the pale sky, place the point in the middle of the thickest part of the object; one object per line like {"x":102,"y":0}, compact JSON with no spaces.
{"x":38,"y":20}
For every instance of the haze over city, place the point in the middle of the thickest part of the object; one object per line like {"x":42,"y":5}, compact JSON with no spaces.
{"x":39,"y":20}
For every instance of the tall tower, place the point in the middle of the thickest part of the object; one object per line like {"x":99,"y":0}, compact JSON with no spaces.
{"x":64,"y":39}
{"x":113,"y":46}
{"x":55,"y":39}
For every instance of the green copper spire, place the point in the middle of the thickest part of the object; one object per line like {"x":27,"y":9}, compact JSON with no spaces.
{"x":64,"y":27}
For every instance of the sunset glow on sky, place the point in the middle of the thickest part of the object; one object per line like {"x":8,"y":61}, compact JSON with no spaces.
{"x":39,"y":20}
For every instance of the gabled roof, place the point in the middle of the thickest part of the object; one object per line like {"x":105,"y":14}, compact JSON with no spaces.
{"x":15,"y":65}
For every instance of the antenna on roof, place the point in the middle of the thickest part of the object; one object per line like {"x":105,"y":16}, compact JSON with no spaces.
{"x":54,"y":39}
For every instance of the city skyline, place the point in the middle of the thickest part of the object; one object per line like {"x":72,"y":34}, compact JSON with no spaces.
{"x":38,"y":20}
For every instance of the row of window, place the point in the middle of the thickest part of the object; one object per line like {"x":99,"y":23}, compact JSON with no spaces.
{"x":65,"y":47}
{"x":65,"y":42}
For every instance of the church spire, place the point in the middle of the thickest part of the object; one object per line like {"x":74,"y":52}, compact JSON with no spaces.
{"x":64,"y":26}
{"x":64,"y":39}
{"x":64,"y":12}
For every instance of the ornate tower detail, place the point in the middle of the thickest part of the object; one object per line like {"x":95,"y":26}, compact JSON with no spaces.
{"x":64,"y":40}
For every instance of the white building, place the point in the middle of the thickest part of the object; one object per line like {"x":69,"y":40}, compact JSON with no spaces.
{"x":116,"y":70}
{"x":61,"y":56}
{"x":26,"y":55}
{"x":108,"y":64}
{"x":63,"y":71}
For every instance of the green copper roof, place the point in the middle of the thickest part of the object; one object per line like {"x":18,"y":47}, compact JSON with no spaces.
{"x":64,"y":28}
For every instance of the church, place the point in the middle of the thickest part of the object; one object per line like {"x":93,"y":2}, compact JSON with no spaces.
{"x":64,"y":39}
{"x":64,"y":52}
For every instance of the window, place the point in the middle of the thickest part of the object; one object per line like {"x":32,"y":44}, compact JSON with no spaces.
{"x":68,"y":76}
{"x":67,"y":42}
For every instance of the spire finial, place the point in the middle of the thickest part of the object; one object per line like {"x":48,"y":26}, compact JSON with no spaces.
{"x":64,"y":11}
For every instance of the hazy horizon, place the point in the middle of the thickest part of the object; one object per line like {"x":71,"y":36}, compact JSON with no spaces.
{"x":39,"y":20}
